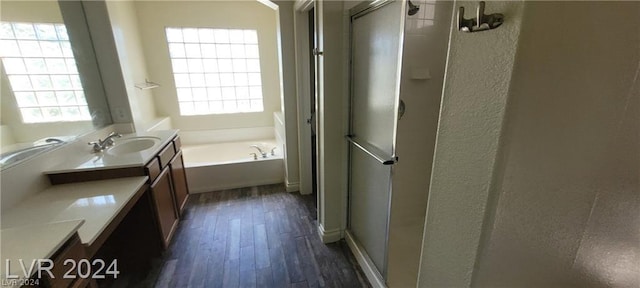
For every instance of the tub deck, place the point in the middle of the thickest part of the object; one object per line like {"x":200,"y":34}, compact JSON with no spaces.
{"x":228,"y":165}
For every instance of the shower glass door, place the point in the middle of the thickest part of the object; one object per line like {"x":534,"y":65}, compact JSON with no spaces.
{"x":376,"y":33}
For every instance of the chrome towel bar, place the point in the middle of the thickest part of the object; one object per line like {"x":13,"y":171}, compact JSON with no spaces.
{"x":373,"y":151}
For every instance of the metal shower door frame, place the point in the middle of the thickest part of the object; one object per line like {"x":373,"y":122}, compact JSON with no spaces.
{"x":356,"y":12}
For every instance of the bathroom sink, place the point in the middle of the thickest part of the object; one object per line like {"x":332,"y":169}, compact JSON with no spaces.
{"x":133,"y":145}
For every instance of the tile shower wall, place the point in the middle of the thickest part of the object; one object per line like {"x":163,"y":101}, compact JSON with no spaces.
{"x":424,"y":60}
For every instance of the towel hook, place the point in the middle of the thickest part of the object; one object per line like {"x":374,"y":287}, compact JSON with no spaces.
{"x":481,"y":23}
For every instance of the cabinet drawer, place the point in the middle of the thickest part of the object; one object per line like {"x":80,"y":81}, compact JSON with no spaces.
{"x":166,"y":155}
{"x":153,"y":169}
{"x":177,"y":144}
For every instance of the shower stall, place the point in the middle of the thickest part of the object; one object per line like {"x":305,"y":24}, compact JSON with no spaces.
{"x":398,"y":52}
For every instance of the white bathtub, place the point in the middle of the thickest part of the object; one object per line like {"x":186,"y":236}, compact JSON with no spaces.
{"x":219,"y":166}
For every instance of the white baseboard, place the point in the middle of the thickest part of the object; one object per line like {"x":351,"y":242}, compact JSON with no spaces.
{"x":330,"y":236}
{"x":365,"y":262}
{"x":292,"y":187}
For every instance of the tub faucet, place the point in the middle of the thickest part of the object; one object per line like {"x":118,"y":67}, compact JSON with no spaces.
{"x":100,"y":145}
{"x":264,"y":154}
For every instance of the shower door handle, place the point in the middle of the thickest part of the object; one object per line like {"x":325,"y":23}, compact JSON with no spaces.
{"x":312,"y":122}
{"x":373,"y":151}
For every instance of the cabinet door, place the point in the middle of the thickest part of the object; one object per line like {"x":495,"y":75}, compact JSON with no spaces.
{"x":71,"y":250}
{"x":164,"y":204}
{"x":179,"y":177}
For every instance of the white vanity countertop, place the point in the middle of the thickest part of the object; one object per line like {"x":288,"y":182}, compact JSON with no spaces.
{"x":86,"y":160}
{"x":95,"y":202}
{"x":32,"y":242}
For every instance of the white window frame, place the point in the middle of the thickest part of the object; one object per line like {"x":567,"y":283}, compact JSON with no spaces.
{"x":216,"y":71}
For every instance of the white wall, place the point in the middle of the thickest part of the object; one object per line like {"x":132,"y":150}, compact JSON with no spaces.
{"x":332,"y":120}
{"x":567,"y":197}
{"x":6,"y":136}
{"x":31,"y":11}
{"x":424,"y":52}
{"x":471,"y":117}
{"x":303,"y":87}
{"x":287,"y":68}
{"x":154,"y":16}
{"x":99,"y":23}
{"x":122,"y":16}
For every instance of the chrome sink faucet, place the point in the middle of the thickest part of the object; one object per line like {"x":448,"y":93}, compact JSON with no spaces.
{"x":100,"y":145}
{"x":264,"y":154}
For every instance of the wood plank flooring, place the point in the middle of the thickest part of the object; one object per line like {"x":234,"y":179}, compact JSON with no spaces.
{"x":252,"y":237}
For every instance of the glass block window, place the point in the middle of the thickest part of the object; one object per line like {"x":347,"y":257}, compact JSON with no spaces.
{"x":216,"y":71}
{"x":42,"y":72}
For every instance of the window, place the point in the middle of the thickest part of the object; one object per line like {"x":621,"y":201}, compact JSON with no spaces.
{"x":216,"y":71}
{"x":42,"y":72}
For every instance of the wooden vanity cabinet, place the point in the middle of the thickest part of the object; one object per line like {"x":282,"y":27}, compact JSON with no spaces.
{"x":167,"y":179}
{"x":169,"y":188}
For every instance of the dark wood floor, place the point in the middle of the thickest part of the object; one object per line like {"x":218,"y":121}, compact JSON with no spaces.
{"x":252,"y":237}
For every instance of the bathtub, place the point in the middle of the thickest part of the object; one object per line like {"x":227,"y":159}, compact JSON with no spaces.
{"x":218,"y":166}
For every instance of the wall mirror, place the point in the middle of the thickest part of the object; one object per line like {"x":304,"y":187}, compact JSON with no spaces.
{"x":50,"y":86}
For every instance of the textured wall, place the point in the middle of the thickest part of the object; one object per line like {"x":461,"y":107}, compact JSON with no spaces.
{"x":567,"y":209}
{"x":474,"y":98}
